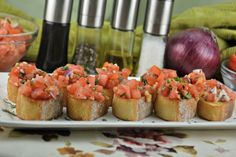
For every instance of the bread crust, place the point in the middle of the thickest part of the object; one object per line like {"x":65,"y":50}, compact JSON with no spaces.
{"x":30,"y":109}
{"x":12,"y":91}
{"x":108,"y":93}
{"x":87,"y":110}
{"x":175,"y":110}
{"x":215,"y":111}
{"x":131,"y":109}
{"x":64,"y":93}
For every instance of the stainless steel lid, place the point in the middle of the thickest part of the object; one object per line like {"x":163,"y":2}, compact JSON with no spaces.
{"x":125,"y":13}
{"x":58,"y":11}
{"x":91,"y":13}
{"x":158,"y":15}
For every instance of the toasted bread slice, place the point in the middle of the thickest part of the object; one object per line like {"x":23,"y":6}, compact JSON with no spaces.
{"x":215,"y":111}
{"x":30,"y":109}
{"x":175,"y":110}
{"x":108,"y":93}
{"x":78,"y":109}
{"x":131,"y":109}
{"x":12,"y":91}
{"x":63,"y":91}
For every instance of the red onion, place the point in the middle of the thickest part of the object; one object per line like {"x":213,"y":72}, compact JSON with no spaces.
{"x":192,"y":49}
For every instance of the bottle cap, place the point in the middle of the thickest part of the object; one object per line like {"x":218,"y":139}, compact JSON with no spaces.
{"x":58,"y":11}
{"x":91,"y":13}
{"x":158,"y":15}
{"x":125,"y":13}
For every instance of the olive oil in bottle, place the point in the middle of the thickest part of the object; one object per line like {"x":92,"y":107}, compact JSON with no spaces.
{"x":120,"y":47}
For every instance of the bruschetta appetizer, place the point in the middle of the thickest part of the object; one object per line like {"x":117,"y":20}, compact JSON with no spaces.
{"x":155,"y":77}
{"x":110,"y":76}
{"x":217,"y":102}
{"x":18,"y":75}
{"x":39,"y":99}
{"x":67,"y":75}
{"x":176,"y":100}
{"x":131,"y":102}
{"x":198,"y":78}
{"x":86,"y":100}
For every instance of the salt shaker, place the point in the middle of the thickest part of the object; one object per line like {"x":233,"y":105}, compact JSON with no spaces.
{"x":88,"y":48}
{"x":55,"y":34}
{"x":123,"y":23}
{"x":156,"y":28}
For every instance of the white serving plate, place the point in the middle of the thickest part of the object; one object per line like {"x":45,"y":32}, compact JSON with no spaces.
{"x":107,"y":121}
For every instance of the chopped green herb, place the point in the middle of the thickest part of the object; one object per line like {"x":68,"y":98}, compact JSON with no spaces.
{"x":65,"y":68}
{"x":177,"y":79}
{"x":21,"y":74}
{"x":31,"y":82}
{"x":168,"y":81}
{"x":187,"y":96}
{"x":96,"y":81}
{"x":22,"y":81}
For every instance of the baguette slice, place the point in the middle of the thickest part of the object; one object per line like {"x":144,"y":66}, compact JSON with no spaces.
{"x":217,"y":111}
{"x":108,"y":93}
{"x":175,"y":110}
{"x":31,"y":109}
{"x":12,"y":91}
{"x":64,"y":93}
{"x":131,"y":109}
{"x":78,"y":109}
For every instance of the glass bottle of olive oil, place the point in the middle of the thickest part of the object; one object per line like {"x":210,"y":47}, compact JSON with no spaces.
{"x":120,"y":47}
{"x":120,"y":50}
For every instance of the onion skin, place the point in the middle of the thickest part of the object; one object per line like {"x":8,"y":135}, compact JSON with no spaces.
{"x":191,"y":49}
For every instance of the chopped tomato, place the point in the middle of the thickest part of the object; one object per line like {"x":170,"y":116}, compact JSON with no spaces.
{"x":169,"y":73}
{"x":109,"y":75}
{"x":135,"y":94}
{"x":22,"y":72}
{"x":40,"y":87}
{"x":211,"y":97}
{"x":85,"y":88}
{"x":165,"y":92}
{"x":68,"y":74}
{"x":211,"y":83}
{"x":154,"y":70}
{"x":232,"y":62}
{"x":91,"y":80}
{"x":102,"y":79}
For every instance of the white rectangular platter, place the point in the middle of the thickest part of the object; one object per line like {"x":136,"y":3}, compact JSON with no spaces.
{"x":107,"y":121}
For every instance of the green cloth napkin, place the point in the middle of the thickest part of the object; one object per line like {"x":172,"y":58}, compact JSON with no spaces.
{"x":219,"y":18}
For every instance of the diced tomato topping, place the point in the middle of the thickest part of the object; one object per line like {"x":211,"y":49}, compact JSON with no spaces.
{"x":109,"y":75}
{"x":232,"y":62}
{"x":155,"y":70}
{"x":211,"y":83}
{"x":131,"y":89}
{"x":22,"y":72}
{"x":86,"y":89}
{"x":40,"y":88}
{"x":169,"y":73}
{"x":211,"y":97}
{"x":68,"y":74}
{"x":135,"y":94}
{"x":165,"y":91}
{"x":102,"y":79}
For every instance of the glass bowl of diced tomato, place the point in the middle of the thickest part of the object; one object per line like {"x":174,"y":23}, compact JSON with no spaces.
{"x":16,"y":36}
{"x":228,"y":72}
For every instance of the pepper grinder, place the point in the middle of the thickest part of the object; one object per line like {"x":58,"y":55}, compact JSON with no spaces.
{"x":54,"y":40}
{"x":124,"y":20}
{"x":156,"y":28}
{"x":88,"y":48}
